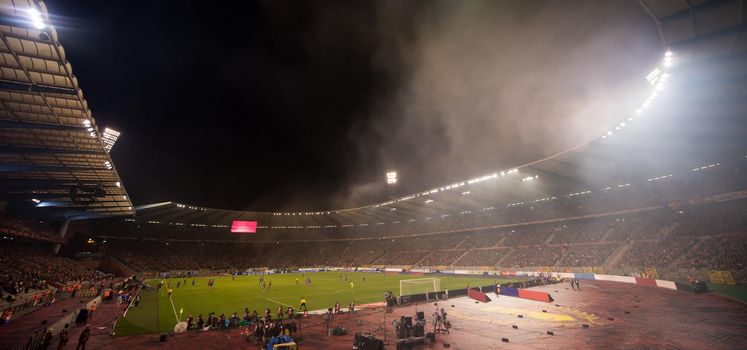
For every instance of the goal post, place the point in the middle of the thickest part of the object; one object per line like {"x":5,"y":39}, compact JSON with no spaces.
{"x":419,"y":286}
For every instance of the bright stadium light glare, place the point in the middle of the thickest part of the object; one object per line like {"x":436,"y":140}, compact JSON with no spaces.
{"x":35,"y":200}
{"x":391,"y":177}
{"x":109,"y":137}
{"x":36,"y":18}
{"x":668,"y":54}
{"x":118,"y":184}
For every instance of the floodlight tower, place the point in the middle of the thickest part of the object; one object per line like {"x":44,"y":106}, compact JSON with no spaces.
{"x":110,"y":137}
{"x":391,"y":177}
{"x":391,"y":181}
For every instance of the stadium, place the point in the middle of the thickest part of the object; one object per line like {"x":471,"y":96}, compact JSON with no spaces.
{"x":501,"y":175}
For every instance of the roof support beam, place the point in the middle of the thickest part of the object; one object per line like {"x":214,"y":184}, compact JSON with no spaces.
{"x":41,"y":126}
{"x":28,"y":87}
{"x":6,"y":168}
{"x":39,"y":150}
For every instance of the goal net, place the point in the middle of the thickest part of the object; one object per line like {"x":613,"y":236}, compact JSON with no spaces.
{"x":419,"y":286}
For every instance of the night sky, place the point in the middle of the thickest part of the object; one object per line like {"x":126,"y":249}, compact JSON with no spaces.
{"x":305,"y":105}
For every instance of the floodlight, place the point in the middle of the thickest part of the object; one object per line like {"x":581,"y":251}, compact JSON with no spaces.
{"x":391,"y":177}
{"x":109,"y":138}
{"x":36,"y":18}
{"x":35,"y":200}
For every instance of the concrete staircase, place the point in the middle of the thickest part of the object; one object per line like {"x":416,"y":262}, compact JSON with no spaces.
{"x":549,"y":238}
{"x":615,"y":258}
{"x":459,"y":244}
{"x":607,"y":234}
{"x":701,"y":241}
{"x":510,"y":252}
{"x":667,"y":230}
{"x":461,"y":256}
{"x":417,"y":263}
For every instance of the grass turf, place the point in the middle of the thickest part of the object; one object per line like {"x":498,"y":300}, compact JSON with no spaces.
{"x":736,"y":292}
{"x":156,"y":313}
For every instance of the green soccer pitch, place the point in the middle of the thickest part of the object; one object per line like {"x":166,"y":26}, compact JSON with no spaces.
{"x":156,"y":314}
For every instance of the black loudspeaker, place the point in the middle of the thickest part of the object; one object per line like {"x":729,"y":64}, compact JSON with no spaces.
{"x":700,"y":287}
{"x":82,"y":316}
{"x":421,"y":316}
{"x":367,"y":341}
{"x":418,"y":330}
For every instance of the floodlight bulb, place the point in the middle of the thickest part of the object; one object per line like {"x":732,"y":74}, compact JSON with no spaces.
{"x":36,"y":18}
{"x":668,"y":54}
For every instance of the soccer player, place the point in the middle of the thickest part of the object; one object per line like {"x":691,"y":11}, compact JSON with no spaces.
{"x":170,"y":291}
{"x":269,"y":285}
{"x":177,"y":283}
{"x":351,"y":285}
{"x":308,"y":281}
{"x":303,"y":304}
{"x":296,"y":280}
{"x":193,"y":282}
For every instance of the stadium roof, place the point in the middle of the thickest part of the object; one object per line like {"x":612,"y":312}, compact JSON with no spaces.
{"x":706,"y":42}
{"x":52,"y":156}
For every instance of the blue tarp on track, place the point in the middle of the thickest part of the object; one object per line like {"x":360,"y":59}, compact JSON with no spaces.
{"x":511,"y":292}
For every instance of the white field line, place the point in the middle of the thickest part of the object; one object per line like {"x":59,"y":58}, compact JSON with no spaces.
{"x":277,"y":302}
{"x":174,"y":308}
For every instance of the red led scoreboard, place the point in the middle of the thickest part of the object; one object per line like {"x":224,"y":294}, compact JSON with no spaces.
{"x":239,"y":226}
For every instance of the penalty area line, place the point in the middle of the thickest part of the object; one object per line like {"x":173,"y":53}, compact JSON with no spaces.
{"x":277,"y":302}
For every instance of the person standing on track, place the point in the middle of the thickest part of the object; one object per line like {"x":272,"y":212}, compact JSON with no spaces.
{"x":303,"y":304}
